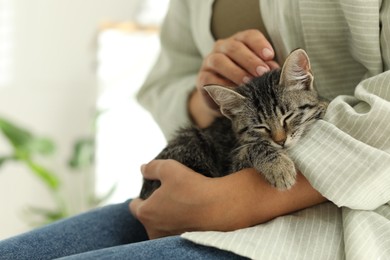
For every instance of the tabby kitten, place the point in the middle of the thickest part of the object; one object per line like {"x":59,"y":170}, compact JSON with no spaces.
{"x":261,"y":120}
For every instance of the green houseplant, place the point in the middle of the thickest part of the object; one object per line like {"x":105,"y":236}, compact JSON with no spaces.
{"x":27,"y":148}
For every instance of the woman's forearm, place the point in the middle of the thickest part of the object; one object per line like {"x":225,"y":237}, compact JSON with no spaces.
{"x":259,"y":202}
{"x":189,"y":201}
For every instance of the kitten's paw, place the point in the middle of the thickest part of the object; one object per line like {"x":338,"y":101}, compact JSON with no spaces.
{"x":281,"y":173}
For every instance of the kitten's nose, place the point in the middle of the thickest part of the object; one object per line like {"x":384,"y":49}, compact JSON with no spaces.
{"x":280,"y":138}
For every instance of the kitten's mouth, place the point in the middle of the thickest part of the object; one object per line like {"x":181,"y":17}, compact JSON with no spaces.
{"x":281,"y":145}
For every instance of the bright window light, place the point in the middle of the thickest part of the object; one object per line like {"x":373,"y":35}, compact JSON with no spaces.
{"x":127,"y":136}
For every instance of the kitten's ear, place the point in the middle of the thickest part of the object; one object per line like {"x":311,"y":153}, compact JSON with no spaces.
{"x":296,"y":71}
{"x":229,"y":101}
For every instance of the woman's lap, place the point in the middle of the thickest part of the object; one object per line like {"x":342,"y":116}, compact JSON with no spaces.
{"x":109,"y":231}
{"x":164,"y":248}
{"x":100,"y":228}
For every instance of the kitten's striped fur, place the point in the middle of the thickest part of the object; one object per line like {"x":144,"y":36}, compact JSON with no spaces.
{"x":262,"y":119}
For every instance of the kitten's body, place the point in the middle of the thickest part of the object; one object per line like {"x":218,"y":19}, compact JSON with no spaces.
{"x":206,"y":151}
{"x":262,"y":119}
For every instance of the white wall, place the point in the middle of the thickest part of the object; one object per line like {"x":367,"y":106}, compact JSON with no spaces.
{"x":52,"y":92}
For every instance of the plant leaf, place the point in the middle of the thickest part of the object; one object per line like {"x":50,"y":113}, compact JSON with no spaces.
{"x":83,"y":154}
{"x":16,"y":135}
{"x":42,"y":146}
{"x":24,"y":140}
{"x":49,"y":178}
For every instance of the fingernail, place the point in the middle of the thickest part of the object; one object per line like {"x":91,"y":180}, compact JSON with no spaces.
{"x":246,"y":79}
{"x":261,"y":70}
{"x":267,"y":53}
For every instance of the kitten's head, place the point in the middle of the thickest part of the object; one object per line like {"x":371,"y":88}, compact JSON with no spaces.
{"x":278,"y":106}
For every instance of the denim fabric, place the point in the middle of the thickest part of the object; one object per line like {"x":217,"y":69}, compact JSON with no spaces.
{"x":109,"y":232}
{"x":165,"y":248}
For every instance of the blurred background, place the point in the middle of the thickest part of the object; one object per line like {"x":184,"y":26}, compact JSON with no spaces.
{"x":72,"y":136}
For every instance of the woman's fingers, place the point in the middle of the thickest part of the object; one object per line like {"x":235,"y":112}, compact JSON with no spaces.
{"x":234,"y":61}
{"x":237,"y":59}
{"x":241,"y":56}
{"x":249,"y":49}
{"x":162,"y":169}
{"x":225,"y":68}
{"x":273,"y":64}
{"x":257,"y":42}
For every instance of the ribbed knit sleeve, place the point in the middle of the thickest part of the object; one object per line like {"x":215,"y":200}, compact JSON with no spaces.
{"x":171,"y":80}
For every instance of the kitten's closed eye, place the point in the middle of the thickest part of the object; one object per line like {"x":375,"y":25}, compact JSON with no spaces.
{"x":285,"y":119}
{"x":262,"y":128}
{"x":307,"y":106}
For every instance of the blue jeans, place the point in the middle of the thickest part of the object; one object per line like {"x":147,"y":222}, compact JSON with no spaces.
{"x":109,"y":232}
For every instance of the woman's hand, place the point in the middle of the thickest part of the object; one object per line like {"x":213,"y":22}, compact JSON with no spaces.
{"x":188,"y":201}
{"x":233,"y":61}
{"x":179,"y":205}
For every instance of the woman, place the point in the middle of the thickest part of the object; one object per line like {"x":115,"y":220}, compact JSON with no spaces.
{"x":344,"y":159}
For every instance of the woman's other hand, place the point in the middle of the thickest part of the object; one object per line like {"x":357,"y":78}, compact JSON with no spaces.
{"x":177,"y":205}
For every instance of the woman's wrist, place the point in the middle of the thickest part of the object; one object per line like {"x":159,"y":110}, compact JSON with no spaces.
{"x":199,"y":111}
{"x":301,"y":196}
